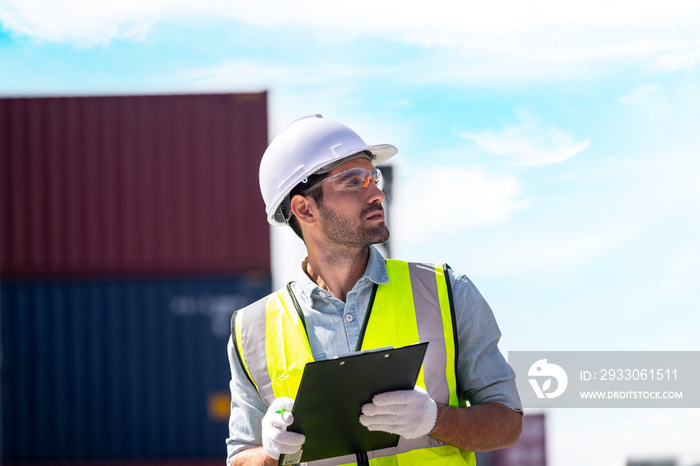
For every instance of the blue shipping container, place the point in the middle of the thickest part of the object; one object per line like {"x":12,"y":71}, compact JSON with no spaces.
{"x":118,"y":369}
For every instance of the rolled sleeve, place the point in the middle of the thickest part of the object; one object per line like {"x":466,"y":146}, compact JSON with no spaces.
{"x":247,"y":410}
{"x":482,"y":372}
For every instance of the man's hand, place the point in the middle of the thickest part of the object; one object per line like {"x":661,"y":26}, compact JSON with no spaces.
{"x":409,"y":413}
{"x":276,"y":440}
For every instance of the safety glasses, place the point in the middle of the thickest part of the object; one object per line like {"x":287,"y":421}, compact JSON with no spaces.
{"x":355,"y":179}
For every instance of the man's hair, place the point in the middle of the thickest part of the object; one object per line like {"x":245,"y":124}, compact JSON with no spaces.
{"x":316,"y":195}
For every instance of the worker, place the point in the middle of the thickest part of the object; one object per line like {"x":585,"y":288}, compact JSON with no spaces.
{"x":320,"y":177}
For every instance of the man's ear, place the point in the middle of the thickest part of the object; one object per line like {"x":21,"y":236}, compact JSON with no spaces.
{"x":304,"y":209}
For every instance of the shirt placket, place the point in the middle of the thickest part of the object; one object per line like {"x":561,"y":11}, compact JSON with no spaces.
{"x":352,"y":328}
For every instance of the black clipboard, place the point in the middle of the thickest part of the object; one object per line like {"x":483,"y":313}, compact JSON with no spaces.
{"x":331,"y":394}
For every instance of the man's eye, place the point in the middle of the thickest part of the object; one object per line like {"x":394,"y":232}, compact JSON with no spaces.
{"x":352,"y":181}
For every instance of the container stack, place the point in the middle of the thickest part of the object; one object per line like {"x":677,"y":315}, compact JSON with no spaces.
{"x":131,"y":228}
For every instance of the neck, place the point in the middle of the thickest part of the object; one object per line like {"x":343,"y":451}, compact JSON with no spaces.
{"x":336,"y":269}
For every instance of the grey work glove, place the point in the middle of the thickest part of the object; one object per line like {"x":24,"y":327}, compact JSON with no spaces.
{"x":275,"y":438}
{"x":408,"y":413}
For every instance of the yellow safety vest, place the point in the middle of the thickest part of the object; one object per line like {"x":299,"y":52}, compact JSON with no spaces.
{"x":414,"y":306}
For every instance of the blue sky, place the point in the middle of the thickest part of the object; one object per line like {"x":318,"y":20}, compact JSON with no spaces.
{"x":550,"y":150}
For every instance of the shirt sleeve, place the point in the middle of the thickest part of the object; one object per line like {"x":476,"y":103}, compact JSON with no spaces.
{"x":482,"y":372}
{"x":247,"y":410}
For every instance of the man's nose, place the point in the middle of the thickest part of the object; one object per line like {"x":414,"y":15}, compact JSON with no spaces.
{"x":376,"y":194}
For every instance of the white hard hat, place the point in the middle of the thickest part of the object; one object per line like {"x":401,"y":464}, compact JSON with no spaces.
{"x":309,"y":145}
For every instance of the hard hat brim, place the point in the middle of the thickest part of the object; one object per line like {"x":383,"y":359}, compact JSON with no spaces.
{"x":379,"y":153}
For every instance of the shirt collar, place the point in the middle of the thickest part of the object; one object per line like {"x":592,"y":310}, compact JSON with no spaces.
{"x":376,"y":267}
{"x":375,"y":273}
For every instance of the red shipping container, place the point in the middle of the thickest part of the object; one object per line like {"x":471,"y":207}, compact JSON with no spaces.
{"x":531,"y":448}
{"x":130,"y":185}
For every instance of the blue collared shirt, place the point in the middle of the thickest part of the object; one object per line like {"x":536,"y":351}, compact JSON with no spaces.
{"x":334,"y":328}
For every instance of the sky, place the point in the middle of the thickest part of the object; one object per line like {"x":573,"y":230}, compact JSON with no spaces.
{"x":549,"y":150}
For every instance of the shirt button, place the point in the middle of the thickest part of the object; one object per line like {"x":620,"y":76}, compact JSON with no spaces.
{"x":349,"y":317}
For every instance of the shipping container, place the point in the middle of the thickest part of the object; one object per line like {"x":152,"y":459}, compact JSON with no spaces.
{"x":132,"y":185}
{"x":530,"y":450}
{"x":118,"y":368}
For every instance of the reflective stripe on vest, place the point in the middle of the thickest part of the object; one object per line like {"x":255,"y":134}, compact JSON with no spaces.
{"x":274,"y":323}
{"x":273,"y":347}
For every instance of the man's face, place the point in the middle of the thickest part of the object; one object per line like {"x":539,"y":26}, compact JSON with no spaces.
{"x":353,"y":218}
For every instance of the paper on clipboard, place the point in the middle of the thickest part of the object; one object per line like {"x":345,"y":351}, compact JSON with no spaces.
{"x":331,"y":394}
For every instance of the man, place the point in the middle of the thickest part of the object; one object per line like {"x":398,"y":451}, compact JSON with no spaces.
{"x":319,"y":177}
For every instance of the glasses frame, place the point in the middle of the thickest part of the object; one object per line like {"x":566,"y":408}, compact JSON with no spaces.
{"x":379,"y":183}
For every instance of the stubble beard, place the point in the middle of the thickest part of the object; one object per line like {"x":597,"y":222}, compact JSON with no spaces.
{"x":343,"y":230}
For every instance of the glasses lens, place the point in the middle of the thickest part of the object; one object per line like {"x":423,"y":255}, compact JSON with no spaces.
{"x":355,"y":179}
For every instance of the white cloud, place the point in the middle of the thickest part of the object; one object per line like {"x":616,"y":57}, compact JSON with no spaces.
{"x":624,"y":162}
{"x":297,"y":90}
{"x":639,"y":95}
{"x":441,"y":200}
{"x":527,"y":252}
{"x":506,"y":40}
{"x":245,"y":75}
{"x":646,"y":216}
{"x":79,"y":21}
{"x":529,"y":143}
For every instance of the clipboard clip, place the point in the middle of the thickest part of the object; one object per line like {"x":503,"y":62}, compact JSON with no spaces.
{"x":377,"y":350}
{"x":373,"y":350}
